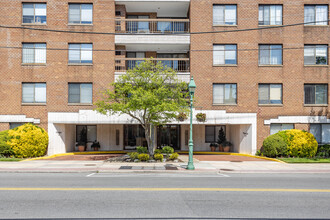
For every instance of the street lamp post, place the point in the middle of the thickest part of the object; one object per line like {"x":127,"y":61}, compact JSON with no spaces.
{"x":192,"y":87}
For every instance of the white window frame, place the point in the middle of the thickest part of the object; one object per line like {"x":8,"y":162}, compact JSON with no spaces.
{"x":272,"y":9}
{"x":80,"y":50}
{"x":315,"y":94}
{"x":269,"y":85}
{"x":280,"y":127}
{"x":80,"y":20}
{"x":224,"y":94}
{"x":323,"y":132}
{"x":223,"y":52}
{"x":34,"y":12}
{"x":270,"y":50}
{"x":223,"y":8}
{"x":315,"y":47}
{"x":36,"y":51}
{"x":80,"y":94}
{"x":314,"y":19}
{"x":34,"y":93}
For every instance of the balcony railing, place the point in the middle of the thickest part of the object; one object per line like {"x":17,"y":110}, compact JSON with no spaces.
{"x":177,"y":64}
{"x":152,"y":26}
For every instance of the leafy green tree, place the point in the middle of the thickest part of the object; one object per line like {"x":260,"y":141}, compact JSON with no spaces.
{"x":150,"y":93}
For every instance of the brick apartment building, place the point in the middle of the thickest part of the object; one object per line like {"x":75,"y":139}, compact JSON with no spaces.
{"x":251,"y":83}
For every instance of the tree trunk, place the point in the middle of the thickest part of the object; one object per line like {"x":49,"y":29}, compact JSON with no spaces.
{"x":151,"y":138}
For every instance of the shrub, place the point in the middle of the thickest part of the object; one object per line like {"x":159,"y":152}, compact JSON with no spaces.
{"x":322,"y":151}
{"x":274,"y":146}
{"x":258,"y":153}
{"x":28,"y":140}
{"x":174,"y":156}
{"x":133,"y":155}
{"x":143,"y":157}
{"x":158,"y":157}
{"x":5,"y":149}
{"x":142,"y":150}
{"x":158,"y":151}
{"x":168,"y":150}
{"x":301,"y":143}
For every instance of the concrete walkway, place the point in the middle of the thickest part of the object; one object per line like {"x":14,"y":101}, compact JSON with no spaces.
{"x":200,"y":166}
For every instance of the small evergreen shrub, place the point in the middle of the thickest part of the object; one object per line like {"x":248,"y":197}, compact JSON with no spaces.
{"x":143,"y":157}
{"x":174,"y":156}
{"x":28,"y":140}
{"x":133,"y":155}
{"x":301,"y":143}
{"x":158,"y":151}
{"x":323,"y":151}
{"x":5,"y":149}
{"x":142,"y":150}
{"x":167,"y":150}
{"x":158,"y":157}
{"x":274,"y":146}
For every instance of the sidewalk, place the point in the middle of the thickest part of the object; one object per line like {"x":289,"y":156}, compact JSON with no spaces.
{"x":260,"y":166}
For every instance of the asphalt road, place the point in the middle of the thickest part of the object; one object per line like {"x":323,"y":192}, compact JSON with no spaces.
{"x":164,"y":196}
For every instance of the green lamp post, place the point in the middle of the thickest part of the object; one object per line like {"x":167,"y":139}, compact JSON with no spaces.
{"x":192,"y":87}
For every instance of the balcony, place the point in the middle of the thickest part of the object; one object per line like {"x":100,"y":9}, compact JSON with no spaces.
{"x":152,"y":26}
{"x":180,"y":65}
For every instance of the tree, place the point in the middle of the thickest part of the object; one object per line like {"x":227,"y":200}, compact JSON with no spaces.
{"x":221,"y":136}
{"x":150,"y":93}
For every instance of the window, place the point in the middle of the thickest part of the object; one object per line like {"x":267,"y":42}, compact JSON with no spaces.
{"x":136,"y":26}
{"x":90,"y":133}
{"x":270,"y":14}
{"x":224,"y":15}
{"x":270,"y":94}
{"x":224,"y":94}
{"x":34,"y":92}
{"x":321,"y":133}
{"x":80,"y":93}
{"x":34,"y":53}
{"x":224,"y":54}
{"x":34,"y":13}
{"x":274,"y":128}
{"x":81,"y":53}
{"x":13,"y":125}
{"x":316,"y":15}
{"x":211,"y":133}
{"x":316,"y":55}
{"x":270,"y":54}
{"x":316,"y":94}
{"x":80,"y":13}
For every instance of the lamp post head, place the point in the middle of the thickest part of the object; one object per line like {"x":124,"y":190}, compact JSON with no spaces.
{"x":192,"y":86}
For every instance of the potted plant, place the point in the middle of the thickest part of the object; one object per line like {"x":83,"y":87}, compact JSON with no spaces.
{"x":221,"y":139}
{"x":82,"y":140}
{"x":227,"y":145}
{"x":182,"y":116}
{"x":201,"y":117}
{"x":96,"y":145}
{"x":213,"y":146}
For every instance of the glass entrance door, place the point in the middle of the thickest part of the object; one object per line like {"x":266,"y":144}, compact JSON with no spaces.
{"x":169,"y":135}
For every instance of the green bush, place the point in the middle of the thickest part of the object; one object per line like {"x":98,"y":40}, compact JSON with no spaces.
{"x":274,"y":146}
{"x":142,"y":150}
{"x":5,"y":149}
{"x":133,"y":155}
{"x":167,"y":150}
{"x":143,"y":157}
{"x":28,"y":140}
{"x":323,"y":151}
{"x":158,"y":157}
{"x":158,"y":151}
{"x":174,"y":156}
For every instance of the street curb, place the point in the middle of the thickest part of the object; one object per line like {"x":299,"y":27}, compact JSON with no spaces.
{"x":75,"y":153}
{"x":235,"y":154}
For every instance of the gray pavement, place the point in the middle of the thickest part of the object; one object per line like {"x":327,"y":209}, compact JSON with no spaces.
{"x":75,"y":195}
{"x":201,"y":166}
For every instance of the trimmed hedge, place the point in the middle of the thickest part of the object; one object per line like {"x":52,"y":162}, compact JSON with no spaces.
{"x":5,"y":149}
{"x":28,"y":140}
{"x":294,"y":143}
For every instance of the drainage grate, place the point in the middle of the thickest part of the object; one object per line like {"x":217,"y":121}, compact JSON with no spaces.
{"x":170,"y":167}
{"x":226,"y":170}
{"x":125,"y":167}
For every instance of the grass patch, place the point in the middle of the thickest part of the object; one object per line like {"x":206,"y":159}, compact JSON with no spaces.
{"x":10,"y":159}
{"x":305,"y":160}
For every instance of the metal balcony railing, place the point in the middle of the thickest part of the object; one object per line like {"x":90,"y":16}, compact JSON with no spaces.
{"x":152,"y":26}
{"x":177,"y":64}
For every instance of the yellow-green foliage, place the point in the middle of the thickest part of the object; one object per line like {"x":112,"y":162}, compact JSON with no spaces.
{"x":301,"y":143}
{"x":174,"y":156}
{"x":28,"y":140}
{"x":143,"y":157}
{"x":158,"y":157}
